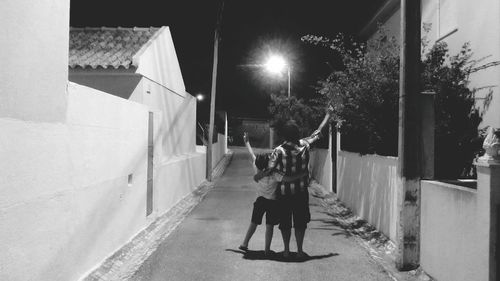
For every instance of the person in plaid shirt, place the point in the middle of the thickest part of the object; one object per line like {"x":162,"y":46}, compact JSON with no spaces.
{"x":292,"y":158}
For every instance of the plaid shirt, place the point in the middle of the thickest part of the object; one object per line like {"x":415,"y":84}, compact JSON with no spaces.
{"x":291,"y":159}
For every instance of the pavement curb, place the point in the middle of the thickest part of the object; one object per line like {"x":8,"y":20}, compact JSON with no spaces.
{"x":122,"y":264}
{"x":379,"y":247}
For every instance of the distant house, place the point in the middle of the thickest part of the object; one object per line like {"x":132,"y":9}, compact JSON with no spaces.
{"x":456,"y":22}
{"x":114,"y":60}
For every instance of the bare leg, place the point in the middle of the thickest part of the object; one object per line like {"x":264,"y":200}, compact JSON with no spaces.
{"x":299,"y":236}
{"x":269,"y":237}
{"x":286,"y":233}
{"x":251,"y":229}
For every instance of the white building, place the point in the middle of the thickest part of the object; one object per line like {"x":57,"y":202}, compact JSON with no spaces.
{"x":83,"y":171}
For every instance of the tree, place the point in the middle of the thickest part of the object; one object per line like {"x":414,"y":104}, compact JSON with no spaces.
{"x":307,"y":113}
{"x":364,"y":94}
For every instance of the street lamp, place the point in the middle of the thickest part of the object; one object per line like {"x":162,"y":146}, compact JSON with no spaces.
{"x":275,"y":64}
{"x":200,"y":97}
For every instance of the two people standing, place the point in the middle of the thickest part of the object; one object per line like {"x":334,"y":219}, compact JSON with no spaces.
{"x":287,"y":172}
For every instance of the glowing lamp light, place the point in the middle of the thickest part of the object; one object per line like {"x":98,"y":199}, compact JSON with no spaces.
{"x":200,"y":97}
{"x":275,"y":64}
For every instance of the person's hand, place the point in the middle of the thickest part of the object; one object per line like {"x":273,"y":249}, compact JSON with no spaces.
{"x":245,"y":137}
{"x":316,"y":133}
{"x":329,"y":110}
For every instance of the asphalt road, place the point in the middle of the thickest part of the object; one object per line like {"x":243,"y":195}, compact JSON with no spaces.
{"x":205,"y":245}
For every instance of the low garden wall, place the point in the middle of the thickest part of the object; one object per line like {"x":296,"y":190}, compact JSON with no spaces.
{"x":367,"y":185}
{"x":321,"y":167}
{"x":450,"y":233}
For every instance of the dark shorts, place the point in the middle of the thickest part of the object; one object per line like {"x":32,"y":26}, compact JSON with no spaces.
{"x":294,"y":209}
{"x":269,"y":207}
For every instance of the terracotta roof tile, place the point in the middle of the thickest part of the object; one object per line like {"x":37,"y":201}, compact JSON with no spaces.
{"x":106,"y":46}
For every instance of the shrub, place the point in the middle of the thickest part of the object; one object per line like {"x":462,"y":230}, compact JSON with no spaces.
{"x":307,"y":113}
{"x":364,"y":92}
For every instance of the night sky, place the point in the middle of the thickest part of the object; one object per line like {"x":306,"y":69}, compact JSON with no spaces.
{"x":250,"y":31}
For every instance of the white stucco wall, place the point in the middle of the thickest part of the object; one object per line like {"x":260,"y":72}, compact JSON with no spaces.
{"x":368,"y":186}
{"x":478,"y":22}
{"x":31,"y":46}
{"x":176,"y":178}
{"x":158,"y":61}
{"x":450,"y":248}
{"x":66,"y":203}
{"x":73,"y":159}
{"x":218,"y":150}
{"x":321,"y":167}
{"x":176,"y":113}
{"x":178,"y":167}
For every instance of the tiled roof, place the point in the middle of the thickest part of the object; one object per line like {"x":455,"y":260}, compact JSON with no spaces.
{"x":106,"y":46}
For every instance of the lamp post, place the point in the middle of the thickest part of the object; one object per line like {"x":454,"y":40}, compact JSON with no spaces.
{"x":200,"y":97}
{"x":275,"y":64}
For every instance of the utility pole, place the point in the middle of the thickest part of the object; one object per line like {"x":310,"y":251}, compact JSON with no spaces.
{"x":409,"y":146}
{"x":289,"y":78}
{"x":212,"y":94}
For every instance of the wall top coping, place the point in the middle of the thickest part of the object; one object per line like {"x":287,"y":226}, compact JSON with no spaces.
{"x":450,"y":185}
{"x":368,"y":155}
{"x":492,"y":164}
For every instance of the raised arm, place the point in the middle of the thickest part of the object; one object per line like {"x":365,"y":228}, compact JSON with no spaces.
{"x":247,"y":144}
{"x":250,"y":151}
{"x":317,"y":133}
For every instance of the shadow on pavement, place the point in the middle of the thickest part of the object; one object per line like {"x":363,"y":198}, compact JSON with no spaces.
{"x":260,"y":255}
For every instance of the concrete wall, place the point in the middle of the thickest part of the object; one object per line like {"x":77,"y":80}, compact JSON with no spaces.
{"x":30,"y":49}
{"x":321,"y":167}
{"x":176,"y":178}
{"x":367,"y":185}
{"x":66,"y":202}
{"x":218,"y":150}
{"x":158,"y":62}
{"x":176,"y":116}
{"x":178,"y":168}
{"x":450,"y":233}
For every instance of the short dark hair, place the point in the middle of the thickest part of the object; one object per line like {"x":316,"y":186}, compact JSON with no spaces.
{"x":261,"y":161}
{"x":290,"y":131}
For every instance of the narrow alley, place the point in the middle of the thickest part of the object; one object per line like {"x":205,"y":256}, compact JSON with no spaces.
{"x":205,"y":245}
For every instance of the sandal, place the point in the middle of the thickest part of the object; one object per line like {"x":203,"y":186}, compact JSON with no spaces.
{"x":243,"y":248}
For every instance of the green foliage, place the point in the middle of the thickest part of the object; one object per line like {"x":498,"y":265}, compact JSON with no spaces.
{"x":364,"y":94}
{"x":457,"y":118}
{"x":308,"y":114}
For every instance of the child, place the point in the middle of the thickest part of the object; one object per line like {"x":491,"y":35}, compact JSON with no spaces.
{"x":266,"y":198}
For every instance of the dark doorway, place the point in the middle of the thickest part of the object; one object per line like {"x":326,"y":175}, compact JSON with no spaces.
{"x":149,"y":193}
